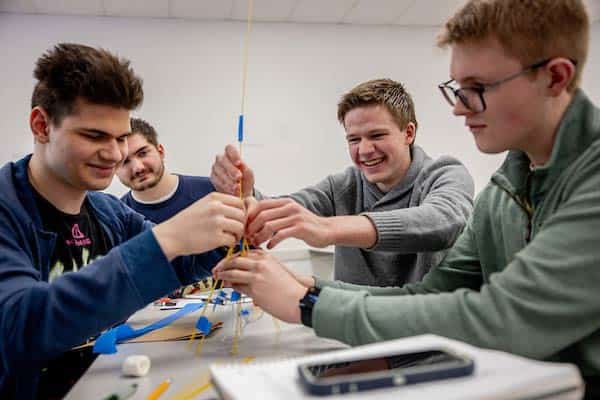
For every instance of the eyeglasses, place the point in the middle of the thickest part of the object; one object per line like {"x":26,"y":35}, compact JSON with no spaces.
{"x":472,"y":97}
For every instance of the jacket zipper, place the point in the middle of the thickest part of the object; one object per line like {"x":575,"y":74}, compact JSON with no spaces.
{"x":525,"y":206}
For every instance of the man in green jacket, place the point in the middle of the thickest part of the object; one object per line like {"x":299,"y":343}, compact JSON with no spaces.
{"x":524,"y":276}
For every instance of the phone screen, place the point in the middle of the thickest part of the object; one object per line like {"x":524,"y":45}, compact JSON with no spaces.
{"x":378,"y":364}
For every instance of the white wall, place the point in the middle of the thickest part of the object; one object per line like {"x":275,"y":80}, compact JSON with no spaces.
{"x":192,"y":81}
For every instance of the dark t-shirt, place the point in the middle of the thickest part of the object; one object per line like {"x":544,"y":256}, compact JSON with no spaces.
{"x":80,"y":237}
{"x":189,"y":190}
{"x":80,"y":240}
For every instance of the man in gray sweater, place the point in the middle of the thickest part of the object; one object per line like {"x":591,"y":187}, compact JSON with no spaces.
{"x":391,"y":216}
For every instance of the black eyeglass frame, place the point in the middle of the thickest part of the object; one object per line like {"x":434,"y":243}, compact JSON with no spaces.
{"x":480,"y":90}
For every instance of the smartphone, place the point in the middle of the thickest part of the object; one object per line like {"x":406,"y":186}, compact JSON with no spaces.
{"x":358,"y":374}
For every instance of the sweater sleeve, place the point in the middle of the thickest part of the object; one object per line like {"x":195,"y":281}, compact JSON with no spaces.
{"x":433,"y":225}
{"x":460,"y":269}
{"x":555,"y":279}
{"x":188,"y":269}
{"x":40,"y":320}
{"x":318,"y":199}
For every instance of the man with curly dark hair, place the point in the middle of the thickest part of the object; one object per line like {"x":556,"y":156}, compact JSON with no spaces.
{"x":74,"y":261}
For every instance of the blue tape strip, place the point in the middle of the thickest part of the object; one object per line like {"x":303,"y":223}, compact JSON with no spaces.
{"x":203,"y":325}
{"x":235,"y":296}
{"x":107,"y":342}
{"x":241,"y":128}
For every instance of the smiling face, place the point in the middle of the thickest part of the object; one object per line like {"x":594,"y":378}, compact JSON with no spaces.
{"x":377,"y":146}
{"x":516,"y":110}
{"x":144,"y":166}
{"x":84,"y":151}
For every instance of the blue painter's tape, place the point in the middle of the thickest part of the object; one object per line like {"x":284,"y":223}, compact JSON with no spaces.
{"x":204,"y":325}
{"x":241,"y":129}
{"x":235,"y":296}
{"x":107,"y":342}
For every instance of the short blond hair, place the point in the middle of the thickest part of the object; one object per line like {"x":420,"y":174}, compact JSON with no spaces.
{"x":386,"y":92}
{"x":529,"y":30}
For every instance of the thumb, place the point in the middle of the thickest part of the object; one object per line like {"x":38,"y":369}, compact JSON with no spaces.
{"x":248,"y":180}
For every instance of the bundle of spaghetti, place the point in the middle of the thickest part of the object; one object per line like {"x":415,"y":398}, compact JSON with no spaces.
{"x":206,"y":331}
{"x":244,"y":247}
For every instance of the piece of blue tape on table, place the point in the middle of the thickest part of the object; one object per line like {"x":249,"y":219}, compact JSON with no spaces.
{"x":235,"y":296}
{"x":107,"y":342}
{"x":203,"y":325}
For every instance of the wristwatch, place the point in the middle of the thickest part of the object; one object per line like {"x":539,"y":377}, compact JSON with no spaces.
{"x":306,"y":305}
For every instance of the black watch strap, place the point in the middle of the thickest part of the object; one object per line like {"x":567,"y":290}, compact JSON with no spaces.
{"x":307,"y":304}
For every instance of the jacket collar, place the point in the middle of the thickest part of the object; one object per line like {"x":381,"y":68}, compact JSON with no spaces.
{"x":577,"y":130}
{"x":24,"y":192}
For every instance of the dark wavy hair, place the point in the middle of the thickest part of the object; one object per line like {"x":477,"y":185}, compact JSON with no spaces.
{"x":70,"y":71}
{"x":139,"y":126}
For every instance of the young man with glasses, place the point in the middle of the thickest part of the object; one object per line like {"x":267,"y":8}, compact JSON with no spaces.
{"x":472,"y":97}
{"x":524,"y":275}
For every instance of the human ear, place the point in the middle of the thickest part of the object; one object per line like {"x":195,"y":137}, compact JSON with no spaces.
{"x":161,"y":150}
{"x":39,"y":122}
{"x":411,"y":132}
{"x":561,"y":72}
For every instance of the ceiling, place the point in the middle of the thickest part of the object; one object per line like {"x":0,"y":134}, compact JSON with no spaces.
{"x":364,"y":12}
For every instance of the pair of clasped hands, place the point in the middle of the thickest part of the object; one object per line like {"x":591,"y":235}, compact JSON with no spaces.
{"x":222,"y":218}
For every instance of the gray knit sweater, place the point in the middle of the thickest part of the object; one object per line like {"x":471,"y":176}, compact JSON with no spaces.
{"x":416,"y":221}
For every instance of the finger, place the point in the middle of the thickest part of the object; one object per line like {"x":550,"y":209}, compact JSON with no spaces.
{"x":254,"y":241}
{"x":229,"y":168}
{"x":225,"y":263}
{"x":242,"y":263}
{"x":221,"y":264}
{"x":226,"y":167}
{"x":272,"y":220}
{"x":222,"y":181}
{"x":228,"y":200}
{"x":268,"y":210}
{"x":236,"y":276}
{"x":233,"y":213}
{"x":227,"y":239}
{"x":250,"y":203}
{"x":234,"y":229}
{"x":266,"y":205}
{"x":233,"y":156}
{"x":272,"y":228}
{"x":256,"y":254}
{"x":281,"y":235}
{"x":248,"y":180}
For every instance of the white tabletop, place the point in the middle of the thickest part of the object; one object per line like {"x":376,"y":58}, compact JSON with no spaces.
{"x":178,"y":361}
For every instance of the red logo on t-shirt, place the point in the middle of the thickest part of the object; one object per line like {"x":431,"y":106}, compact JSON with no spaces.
{"x":79,"y":238}
{"x":76,"y":233}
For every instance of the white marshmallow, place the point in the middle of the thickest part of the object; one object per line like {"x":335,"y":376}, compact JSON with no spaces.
{"x":137,"y":365}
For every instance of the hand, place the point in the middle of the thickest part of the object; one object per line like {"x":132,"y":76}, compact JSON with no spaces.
{"x":279,"y":219}
{"x":215,"y":220}
{"x":227,"y":171}
{"x":262,"y":277}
